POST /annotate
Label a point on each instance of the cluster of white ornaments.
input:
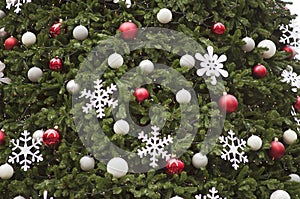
(268, 44)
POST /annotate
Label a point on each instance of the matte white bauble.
(2, 14)
(121, 127)
(271, 48)
(38, 135)
(187, 61)
(28, 38)
(72, 87)
(80, 33)
(115, 60)
(3, 33)
(250, 44)
(147, 66)
(118, 167)
(199, 160)
(176, 197)
(19, 197)
(6, 171)
(87, 163)
(183, 96)
(164, 15)
(254, 142)
(289, 136)
(280, 194)
(294, 177)
(34, 74)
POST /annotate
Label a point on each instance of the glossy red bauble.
(290, 50)
(51, 137)
(2, 137)
(228, 103)
(55, 64)
(55, 29)
(218, 28)
(128, 30)
(297, 104)
(141, 94)
(277, 150)
(174, 166)
(259, 71)
(10, 43)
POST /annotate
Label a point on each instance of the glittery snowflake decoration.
(45, 195)
(233, 149)
(212, 195)
(211, 65)
(25, 151)
(16, 3)
(291, 78)
(3, 79)
(127, 2)
(297, 119)
(154, 146)
(99, 98)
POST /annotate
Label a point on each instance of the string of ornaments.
(211, 65)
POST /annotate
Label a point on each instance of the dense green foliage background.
(264, 104)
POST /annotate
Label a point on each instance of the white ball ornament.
(146, 66)
(271, 48)
(187, 61)
(115, 60)
(183, 96)
(294, 177)
(280, 194)
(38, 135)
(176, 197)
(34, 74)
(72, 87)
(118, 167)
(250, 44)
(87, 163)
(2, 32)
(80, 33)
(6, 171)
(164, 15)
(2, 14)
(19, 197)
(254, 142)
(28, 38)
(289, 136)
(199, 160)
(121, 127)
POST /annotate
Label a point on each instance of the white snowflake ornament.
(16, 3)
(45, 195)
(291, 78)
(211, 65)
(99, 98)
(212, 195)
(127, 2)
(154, 146)
(290, 33)
(233, 149)
(297, 120)
(3, 79)
(25, 151)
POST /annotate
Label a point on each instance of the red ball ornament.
(228, 103)
(10, 43)
(2, 137)
(128, 30)
(55, 64)
(277, 150)
(297, 104)
(259, 71)
(290, 51)
(174, 166)
(51, 137)
(141, 94)
(218, 28)
(55, 29)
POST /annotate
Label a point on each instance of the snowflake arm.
(25, 151)
(233, 149)
(291, 78)
(16, 3)
(154, 146)
(212, 195)
(127, 2)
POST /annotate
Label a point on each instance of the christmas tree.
(149, 99)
